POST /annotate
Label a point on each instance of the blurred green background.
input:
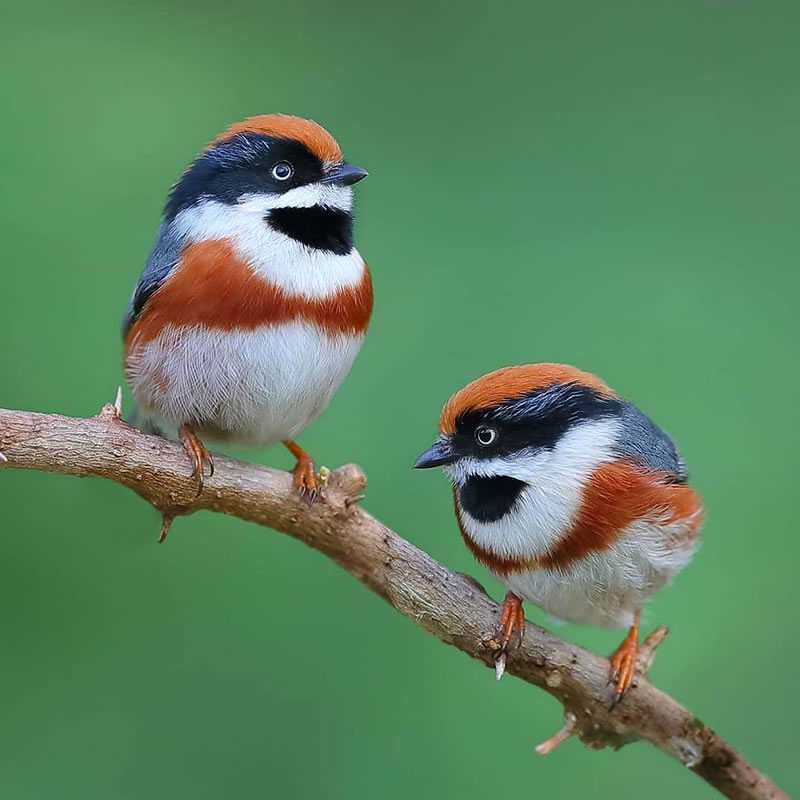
(609, 184)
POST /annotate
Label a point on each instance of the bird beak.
(439, 454)
(343, 174)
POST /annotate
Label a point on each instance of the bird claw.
(306, 481)
(308, 494)
(199, 456)
(512, 626)
(623, 663)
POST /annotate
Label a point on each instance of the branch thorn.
(113, 410)
(351, 501)
(500, 666)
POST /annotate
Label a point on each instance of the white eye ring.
(485, 435)
(282, 171)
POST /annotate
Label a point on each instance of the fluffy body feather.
(613, 570)
(258, 387)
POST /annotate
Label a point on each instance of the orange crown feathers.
(285, 126)
(509, 382)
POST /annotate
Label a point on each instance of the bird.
(254, 302)
(569, 495)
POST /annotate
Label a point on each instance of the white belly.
(606, 588)
(257, 387)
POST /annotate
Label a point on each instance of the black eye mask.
(243, 165)
(537, 419)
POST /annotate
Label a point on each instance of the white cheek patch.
(289, 264)
(314, 194)
(585, 446)
(549, 504)
(520, 465)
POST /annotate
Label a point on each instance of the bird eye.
(485, 435)
(282, 171)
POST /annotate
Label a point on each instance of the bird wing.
(645, 443)
(162, 261)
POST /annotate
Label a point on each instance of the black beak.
(438, 454)
(344, 175)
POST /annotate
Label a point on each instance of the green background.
(611, 184)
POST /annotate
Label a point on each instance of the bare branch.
(449, 605)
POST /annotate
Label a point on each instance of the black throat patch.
(319, 227)
(489, 499)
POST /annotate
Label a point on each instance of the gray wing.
(162, 261)
(643, 441)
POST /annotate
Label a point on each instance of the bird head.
(506, 425)
(285, 170)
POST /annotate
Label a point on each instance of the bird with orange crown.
(254, 301)
(570, 495)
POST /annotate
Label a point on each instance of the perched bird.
(569, 495)
(254, 301)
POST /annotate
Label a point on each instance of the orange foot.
(305, 476)
(512, 620)
(623, 661)
(199, 456)
(512, 626)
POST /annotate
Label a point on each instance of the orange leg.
(305, 477)
(623, 660)
(199, 456)
(512, 621)
(512, 625)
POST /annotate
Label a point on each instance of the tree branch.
(449, 605)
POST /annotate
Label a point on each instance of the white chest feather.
(257, 387)
(260, 385)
